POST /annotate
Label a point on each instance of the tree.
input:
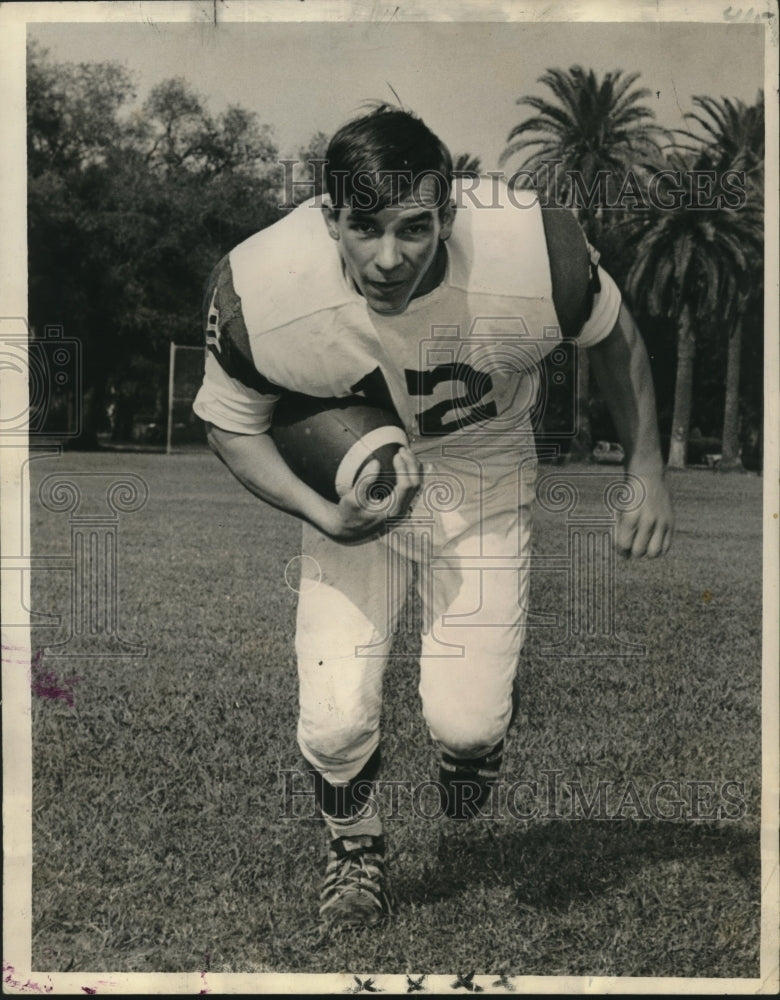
(72, 112)
(176, 132)
(733, 134)
(72, 128)
(593, 134)
(690, 265)
(733, 139)
(466, 165)
(128, 211)
(304, 177)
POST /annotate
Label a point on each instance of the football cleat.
(354, 893)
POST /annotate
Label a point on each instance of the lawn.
(163, 839)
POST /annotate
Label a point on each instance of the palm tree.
(734, 140)
(733, 134)
(595, 131)
(466, 165)
(691, 266)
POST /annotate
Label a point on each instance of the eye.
(363, 228)
(417, 228)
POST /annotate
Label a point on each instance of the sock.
(351, 810)
(465, 783)
(367, 822)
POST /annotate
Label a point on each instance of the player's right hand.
(374, 500)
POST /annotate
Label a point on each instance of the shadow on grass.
(555, 864)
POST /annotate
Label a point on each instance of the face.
(390, 254)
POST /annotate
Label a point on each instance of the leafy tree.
(304, 176)
(128, 211)
(176, 132)
(72, 112)
(72, 130)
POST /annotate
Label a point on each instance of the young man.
(389, 290)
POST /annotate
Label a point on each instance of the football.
(327, 442)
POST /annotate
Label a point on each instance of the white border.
(16, 688)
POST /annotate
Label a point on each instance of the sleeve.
(605, 304)
(234, 395)
(227, 403)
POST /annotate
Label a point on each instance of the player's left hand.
(361, 513)
(647, 531)
(407, 472)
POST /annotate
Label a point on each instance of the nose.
(388, 255)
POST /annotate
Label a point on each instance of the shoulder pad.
(226, 333)
(570, 269)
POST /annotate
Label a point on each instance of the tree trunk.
(582, 444)
(91, 419)
(730, 450)
(683, 393)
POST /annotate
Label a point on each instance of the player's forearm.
(622, 369)
(256, 463)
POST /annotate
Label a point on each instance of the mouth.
(385, 287)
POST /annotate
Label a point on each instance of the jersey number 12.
(462, 406)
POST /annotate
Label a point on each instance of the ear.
(447, 220)
(330, 215)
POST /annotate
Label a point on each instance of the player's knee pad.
(465, 784)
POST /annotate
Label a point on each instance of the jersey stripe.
(226, 333)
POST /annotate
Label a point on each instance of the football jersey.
(459, 364)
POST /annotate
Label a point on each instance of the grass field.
(160, 842)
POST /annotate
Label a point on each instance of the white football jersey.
(460, 364)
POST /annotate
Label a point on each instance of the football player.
(386, 287)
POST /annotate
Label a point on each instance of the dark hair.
(382, 156)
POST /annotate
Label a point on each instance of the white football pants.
(471, 543)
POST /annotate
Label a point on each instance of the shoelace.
(359, 868)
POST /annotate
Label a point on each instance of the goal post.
(185, 374)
